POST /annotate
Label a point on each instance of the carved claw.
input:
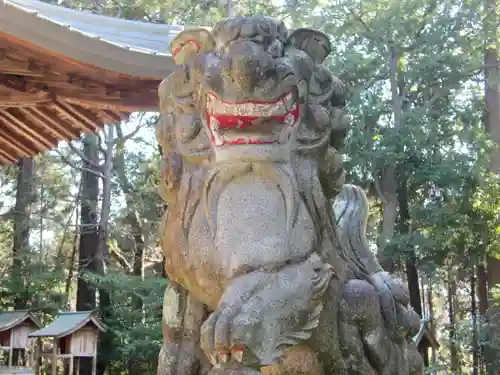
(214, 360)
(237, 354)
(220, 357)
(224, 356)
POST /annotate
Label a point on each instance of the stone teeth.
(289, 119)
(216, 106)
(289, 103)
(218, 139)
(214, 128)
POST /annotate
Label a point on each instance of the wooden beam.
(117, 116)
(54, 356)
(11, 349)
(146, 103)
(78, 113)
(9, 100)
(69, 132)
(8, 142)
(107, 118)
(55, 130)
(56, 86)
(22, 68)
(125, 98)
(5, 158)
(73, 83)
(41, 134)
(24, 131)
(123, 116)
(75, 117)
(12, 139)
(13, 82)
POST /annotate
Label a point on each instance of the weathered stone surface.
(251, 129)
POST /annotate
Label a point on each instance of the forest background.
(78, 224)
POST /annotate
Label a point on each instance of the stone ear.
(313, 42)
(190, 43)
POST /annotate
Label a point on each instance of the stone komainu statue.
(267, 274)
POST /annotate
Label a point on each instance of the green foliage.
(43, 290)
(137, 334)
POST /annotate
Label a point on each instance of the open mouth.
(251, 122)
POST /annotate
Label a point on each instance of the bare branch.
(430, 9)
(73, 165)
(121, 259)
(134, 132)
(83, 157)
(370, 33)
(125, 186)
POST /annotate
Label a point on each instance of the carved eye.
(187, 127)
(275, 49)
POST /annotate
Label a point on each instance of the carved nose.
(247, 65)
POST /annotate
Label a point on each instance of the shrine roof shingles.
(67, 323)
(129, 47)
(11, 319)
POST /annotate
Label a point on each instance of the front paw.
(223, 336)
(216, 340)
(263, 313)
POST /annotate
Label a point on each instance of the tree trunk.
(137, 271)
(102, 253)
(89, 234)
(86, 293)
(388, 178)
(473, 310)
(492, 99)
(21, 242)
(482, 297)
(25, 194)
(430, 296)
(411, 259)
(404, 228)
(71, 266)
(137, 228)
(133, 218)
(482, 289)
(180, 353)
(454, 353)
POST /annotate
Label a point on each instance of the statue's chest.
(249, 223)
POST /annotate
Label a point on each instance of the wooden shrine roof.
(67, 323)
(11, 319)
(65, 72)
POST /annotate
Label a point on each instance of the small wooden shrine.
(15, 328)
(74, 336)
(65, 72)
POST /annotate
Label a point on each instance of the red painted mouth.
(251, 122)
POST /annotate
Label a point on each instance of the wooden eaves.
(11, 319)
(65, 72)
(67, 323)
